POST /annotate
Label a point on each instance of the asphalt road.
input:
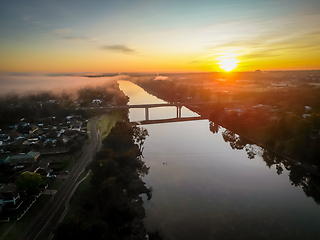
(38, 228)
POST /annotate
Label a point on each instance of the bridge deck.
(179, 104)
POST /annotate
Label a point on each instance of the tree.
(29, 181)
(139, 135)
(72, 228)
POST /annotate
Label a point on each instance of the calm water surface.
(203, 189)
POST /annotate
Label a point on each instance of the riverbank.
(108, 203)
(206, 110)
(204, 181)
(309, 167)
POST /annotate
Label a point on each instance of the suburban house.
(29, 157)
(8, 195)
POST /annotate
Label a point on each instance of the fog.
(31, 83)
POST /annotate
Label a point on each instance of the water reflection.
(298, 175)
(207, 190)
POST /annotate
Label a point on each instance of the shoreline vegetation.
(287, 134)
(288, 140)
(111, 206)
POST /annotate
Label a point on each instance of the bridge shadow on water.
(168, 120)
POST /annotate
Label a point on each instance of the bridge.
(178, 105)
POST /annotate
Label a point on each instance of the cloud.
(272, 44)
(258, 54)
(119, 48)
(80, 39)
(66, 34)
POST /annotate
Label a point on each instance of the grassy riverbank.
(108, 121)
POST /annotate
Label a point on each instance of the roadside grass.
(12, 230)
(79, 197)
(108, 121)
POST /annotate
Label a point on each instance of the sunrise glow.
(228, 61)
(228, 64)
(54, 37)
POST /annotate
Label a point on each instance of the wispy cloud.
(119, 48)
(80, 39)
(66, 34)
(272, 44)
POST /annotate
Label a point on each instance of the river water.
(204, 189)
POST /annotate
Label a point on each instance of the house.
(22, 124)
(8, 195)
(308, 108)
(3, 160)
(76, 126)
(96, 102)
(29, 157)
(5, 138)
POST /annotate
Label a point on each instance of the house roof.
(28, 155)
(8, 191)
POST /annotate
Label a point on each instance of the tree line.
(112, 206)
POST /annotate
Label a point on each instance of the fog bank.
(33, 83)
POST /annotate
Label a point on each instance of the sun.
(228, 64)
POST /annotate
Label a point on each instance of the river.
(204, 189)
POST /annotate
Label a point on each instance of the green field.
(108, 121)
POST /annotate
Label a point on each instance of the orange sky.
(159, 36)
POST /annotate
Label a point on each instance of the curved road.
(38, 228)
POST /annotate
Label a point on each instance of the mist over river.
(204, 189)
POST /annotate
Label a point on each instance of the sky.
(159, 36)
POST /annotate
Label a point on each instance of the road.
(47, 218)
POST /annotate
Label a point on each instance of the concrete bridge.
(178, 105)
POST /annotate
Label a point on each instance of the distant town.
(43, 135)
